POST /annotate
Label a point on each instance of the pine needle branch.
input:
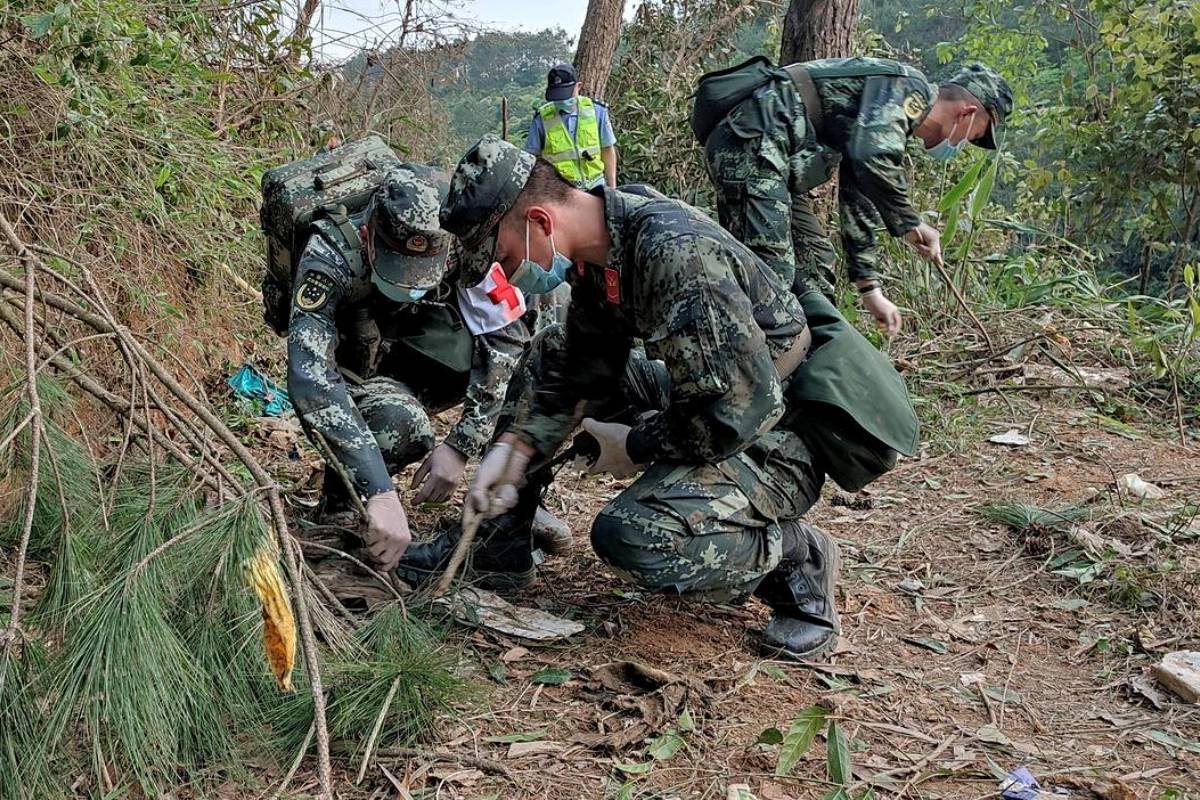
(287, 546)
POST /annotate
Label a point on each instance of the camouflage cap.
(483, 188)
(992, 91)
(411, 249)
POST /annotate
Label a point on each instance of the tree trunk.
(815, 29)
(303, 22)
(598, 44)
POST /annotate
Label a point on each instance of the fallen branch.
(287, 546)
(35, 443)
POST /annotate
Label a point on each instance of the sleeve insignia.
(313, 292)
(915, 105)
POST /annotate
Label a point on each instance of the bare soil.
(962, 655)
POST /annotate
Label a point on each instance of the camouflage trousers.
(398, 420)
(763, 199)
(708, 532)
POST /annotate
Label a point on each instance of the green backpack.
(322, 191)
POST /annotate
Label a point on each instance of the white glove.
(886, 315)
(438, 474)
(500, 473)
(928, 243)
(614, 458)
(387, 529)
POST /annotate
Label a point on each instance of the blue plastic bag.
(267, 399)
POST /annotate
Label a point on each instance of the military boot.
(501, 559)
(551, 534)
(801, 593)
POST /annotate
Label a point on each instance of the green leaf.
(39, 24)
(686, 723)
(635, 769)
(550, 676)
(1002, 695)
(626, 791)
(837, 794)
(1170, 740)
(799, 737)
(498, 672)
(983, 192)
(520, 736)
(963, 186)
(771, 736)
(929, 644)
(951, 223)
(837, 756)
(665, 746)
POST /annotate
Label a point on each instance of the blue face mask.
(532, 278)
(566, 106)
(945, 149)
(399, 294)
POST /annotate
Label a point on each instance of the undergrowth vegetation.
(133, 134)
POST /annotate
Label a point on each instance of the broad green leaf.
(983, 192)
(550, 676)
(770, 736)
(498, 672)
(665, 746)
(963, 186)
(837, 756)
(626, 791)
(39, 24)
(951, 224)
(799, 737)
(635, 769)
(686, 723)
(519, 736)
(837, 794)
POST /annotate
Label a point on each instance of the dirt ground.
(962, 655)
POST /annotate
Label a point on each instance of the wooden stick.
(470, 525)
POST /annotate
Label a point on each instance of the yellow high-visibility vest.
(576, 159)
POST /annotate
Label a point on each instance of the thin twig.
(485, 764)
(35, 444)
(291, 773)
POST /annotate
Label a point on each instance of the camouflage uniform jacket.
(336, 319)
(867, 121)
(703, 303)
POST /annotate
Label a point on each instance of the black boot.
(801, 592)
(502, 554)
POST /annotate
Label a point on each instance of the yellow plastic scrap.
(279, 623)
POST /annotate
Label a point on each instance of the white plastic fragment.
(1180, 672)
(1132, 485)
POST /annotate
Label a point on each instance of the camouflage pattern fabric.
(764, 158)
(703, 304)
(338, 322)
(707, 532)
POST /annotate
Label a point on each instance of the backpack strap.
(807, 89)
(333, 223)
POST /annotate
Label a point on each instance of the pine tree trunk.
(815, 29)
(598, 44)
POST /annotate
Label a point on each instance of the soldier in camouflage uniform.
(714, 514)
(767, 152)
(377, 346)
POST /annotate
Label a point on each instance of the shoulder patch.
(915, 105)
(313, 292)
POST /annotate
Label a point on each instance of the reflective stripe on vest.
(576, 159)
